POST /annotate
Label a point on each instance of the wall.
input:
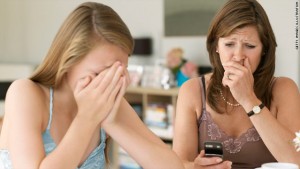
(28, 27)
(189, 18)
(285, 25)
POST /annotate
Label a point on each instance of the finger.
(205, 161)
(235, 70)
(225, 79)
(104, 75)
(202, 153)
(128, 80)
(113, 95)
(224, 164)
(116, 98)
(82, 83)
(229, 76)
(247, 64)
(113, 75)
(114, 80)
(97, 79)
(122, 91)
(234, 64)
(120, 95)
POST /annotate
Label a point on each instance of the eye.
(250, 46)
(229, 44)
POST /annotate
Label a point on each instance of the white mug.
(279, 165)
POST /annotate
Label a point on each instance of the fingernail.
(219, 160)
(229, 164)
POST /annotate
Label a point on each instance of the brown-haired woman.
(240, 104)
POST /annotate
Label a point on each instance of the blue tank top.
(96, 160)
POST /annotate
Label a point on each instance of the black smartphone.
(213, 149)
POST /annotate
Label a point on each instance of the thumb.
(202, 153)
(82, 83)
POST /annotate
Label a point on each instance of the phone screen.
(213, 149)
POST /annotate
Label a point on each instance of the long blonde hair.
(233, 15)
(88, 25)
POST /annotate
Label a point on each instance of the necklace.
(230, 104)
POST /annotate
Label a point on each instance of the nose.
(239, 54)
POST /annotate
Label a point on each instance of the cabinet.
(143, 97)
(149, 96)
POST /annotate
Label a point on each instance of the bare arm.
(185, 142)
(186, 135)
(27, 106)
(21, 134)
(145, 147)
(278, 133)
(25, 112)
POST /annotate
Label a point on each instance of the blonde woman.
(62, 115)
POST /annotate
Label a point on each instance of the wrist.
(86, 121)
(107, 124)
(248, 106)
(256, 110)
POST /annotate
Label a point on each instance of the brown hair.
(88, 25)
(233, 15)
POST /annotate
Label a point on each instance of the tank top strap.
(50, 108)
(203, 97)
(203, 92)
(102, 135)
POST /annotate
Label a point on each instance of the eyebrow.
(235, 39)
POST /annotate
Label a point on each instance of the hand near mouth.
(238, 77)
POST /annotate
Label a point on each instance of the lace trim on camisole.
(230, 144)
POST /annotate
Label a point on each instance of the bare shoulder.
(24, 88)
(286, 99)
(25, 99)
(191, 87)
(189, 97)
(283, 87)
